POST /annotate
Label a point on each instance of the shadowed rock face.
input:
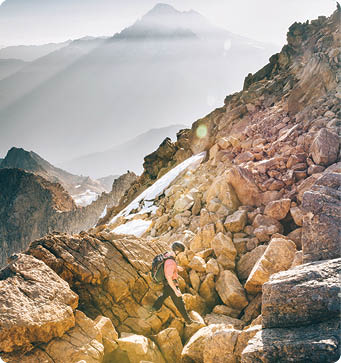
(321, 233)
(31, 206)
(314, 343)
(304, 295)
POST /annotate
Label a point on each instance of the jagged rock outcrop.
(30, 207)
(303, 295)
(36, 304)
(31, 162)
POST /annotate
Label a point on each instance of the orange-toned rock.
(36, 305)
(277, 257)
(231, 291)
(278, 209)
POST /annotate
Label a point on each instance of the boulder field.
(260, 217)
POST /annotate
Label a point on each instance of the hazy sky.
(43, 21)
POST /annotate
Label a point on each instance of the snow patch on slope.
(146, 199)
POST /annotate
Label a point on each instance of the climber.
(170, 283)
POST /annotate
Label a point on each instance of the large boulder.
(321, 232)
(194, 349)
(278, 209)
(265, 227)
(231, 291)
(248, 260)
(315, 343)
(325, 147)
(244, 337)
(36, 305)
(224, 249)
(83, 343)
(277, 257)
(138, 348)
(243, 183)
(207, 290)
(219, 347)
(303, 295)
(236, 222)
(221, 189)
(170, 344)
(213, 318)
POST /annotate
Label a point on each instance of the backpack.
(158, 274)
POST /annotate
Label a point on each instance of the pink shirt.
(170, 269)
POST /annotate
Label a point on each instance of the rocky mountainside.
(33, 163)
(258, 207)
(31, 206)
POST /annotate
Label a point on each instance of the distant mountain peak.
(162, 9)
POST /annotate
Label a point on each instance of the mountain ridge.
(32, 162)
(122, 69)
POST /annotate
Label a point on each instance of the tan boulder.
(243, 339)
(138, 348)
(85, 261)
(109, 333)
(240, 244)
(277, 257)
(196, 242)
(220, 346)
(205, 253)
(278, 209)
(212, 266)
(253, 309)
(194, 302)
(207, 234)
(213, 151)
(236, 222)
(224, 249)
(194, 349)
(207, 290)
(195, 280)
(296, 236)
(224, 192)
(191, 329)
(83, 343)
(213, 318)
(198, 264)
(265, 227)
(297, 215)
(225, 310)
(298, 259)
(224, 143)
(170, 344)
(36, 305)
(248, 260)
(183, 203)
(244, 185)
(231, 291)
